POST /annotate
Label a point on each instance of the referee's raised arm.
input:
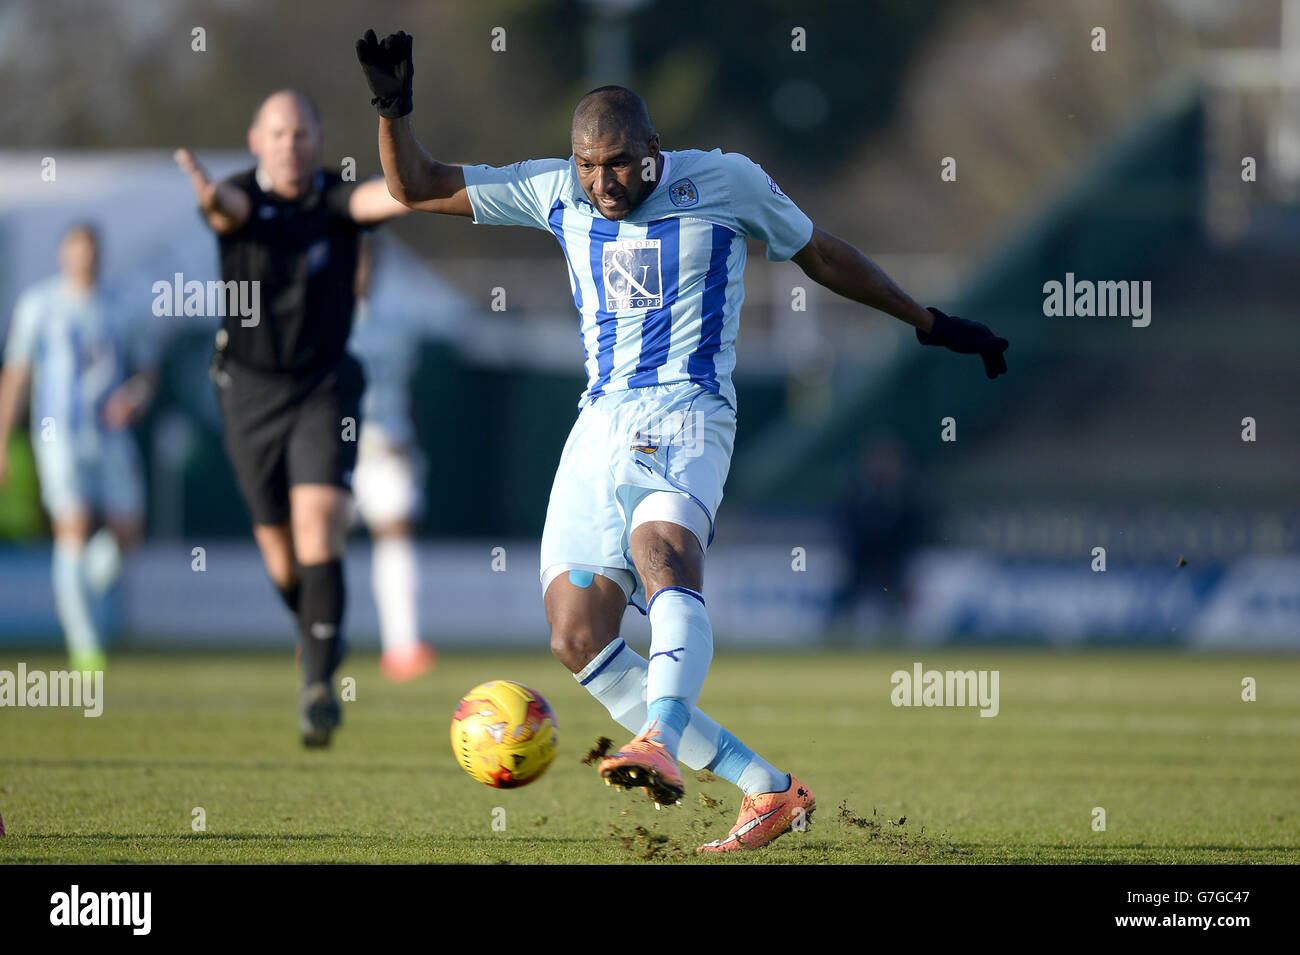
(225, 207)
(414, 178)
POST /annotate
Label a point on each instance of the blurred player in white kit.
(389, 477)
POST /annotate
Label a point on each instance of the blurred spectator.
(879, 522)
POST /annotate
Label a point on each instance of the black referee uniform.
(290, 393)
(287, 384)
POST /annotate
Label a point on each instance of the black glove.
(388, 68)
(968, 338)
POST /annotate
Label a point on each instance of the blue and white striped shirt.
(659, 292)
(79, 349)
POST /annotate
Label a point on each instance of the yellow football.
(504, 734)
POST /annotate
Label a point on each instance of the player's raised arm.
(843, 269)
(226, 207)
(414, 178)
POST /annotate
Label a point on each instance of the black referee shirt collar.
(264, 182)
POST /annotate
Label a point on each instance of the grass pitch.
(1184, 769)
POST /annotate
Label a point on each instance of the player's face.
(79, 259)
(286, 141)
(613, 172)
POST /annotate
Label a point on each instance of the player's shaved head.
(612, 111)
(615, 150)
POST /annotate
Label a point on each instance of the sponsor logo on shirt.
(632, 275)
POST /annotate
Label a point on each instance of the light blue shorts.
(625, 446)
(102, 475)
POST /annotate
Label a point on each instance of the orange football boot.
(645, 762)
(764, 816)
(402, 666)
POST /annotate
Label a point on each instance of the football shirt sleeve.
(519, 194)
(240, 181)
(337, 198)
(21, 346)
(763, 211)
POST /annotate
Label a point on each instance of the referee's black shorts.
(285, 429)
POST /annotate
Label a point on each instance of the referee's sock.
(291, 595)
(320, 615)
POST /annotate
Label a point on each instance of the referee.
(289, 392)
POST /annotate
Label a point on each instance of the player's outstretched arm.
(414, 178)
(225, 207)
(843, 269)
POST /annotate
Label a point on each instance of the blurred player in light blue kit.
(389, 477)
(91, 380)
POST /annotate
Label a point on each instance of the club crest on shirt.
(632, 274)
(683, 193)
(317, 255)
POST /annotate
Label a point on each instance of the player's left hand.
(122, 408)
(967, 338)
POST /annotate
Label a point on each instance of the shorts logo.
(775, 188)
(682, 430)
(645, 442)
(683, 193)
(632, 276)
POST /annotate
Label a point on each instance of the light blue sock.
(681, 645)
(737, 763)
(102, 562)
(72, 600)
(617, 677)
(669, 716)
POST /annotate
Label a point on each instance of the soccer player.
(388, 478)
(91, 378)
(655, 244)
(290, 394)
